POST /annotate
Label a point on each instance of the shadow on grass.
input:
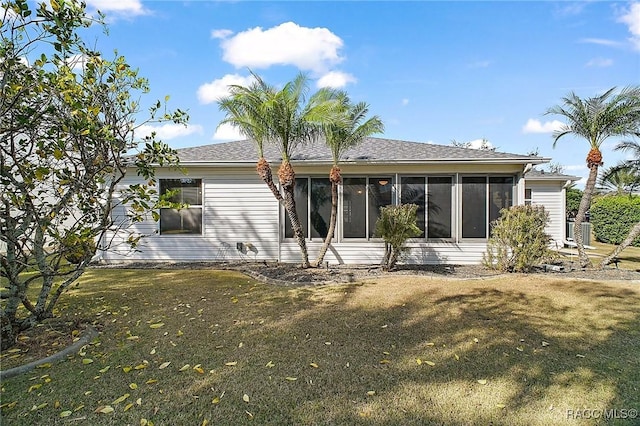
(396, 351)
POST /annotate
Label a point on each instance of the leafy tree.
(518, 240)
(633, 166)
(573, 197)
(66, 139)
(339, 137)
(596, 119)
(485, 145)
(555, 168)
(285, 118)
(396, 224)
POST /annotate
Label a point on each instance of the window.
(482, 200)
(527, 197)
(380, 195)
(314, 211)
(501, 196)
(354, 207)
(412, 191)
(440, 207)
(187, 220)
(474, 207)
(362, 199)
(433, 196)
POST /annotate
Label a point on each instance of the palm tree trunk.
(332, 225)
(290, 207)
(287, 178)
(633, 234)
(585, 203)
(264, 171)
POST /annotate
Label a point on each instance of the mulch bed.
(293, 274)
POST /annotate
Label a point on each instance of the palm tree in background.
(631, 166)
(285, 118)
(619, 179)
(341, 135)
(596, 119)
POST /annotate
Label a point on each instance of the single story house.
(232, 214)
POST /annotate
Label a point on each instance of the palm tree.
(244, 110)
(267, 115)
(596, 119)
(619, 179)
(633, 167)
(341, 135)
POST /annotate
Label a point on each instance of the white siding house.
(549, 190)
(232, 214)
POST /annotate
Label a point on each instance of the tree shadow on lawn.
(566, 345)
(393, 351)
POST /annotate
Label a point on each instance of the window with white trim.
(313, 207)
(527, 197)
(482, 199)
(186, 220)
(362, 199)
(434, 197)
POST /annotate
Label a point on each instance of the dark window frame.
(193, 213)
(424, 209)
(490, 213)
(371, 182)
(311, 217)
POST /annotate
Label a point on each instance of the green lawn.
(209, 347)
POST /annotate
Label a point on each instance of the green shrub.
(573, 197)
(518, 240)
(613, 216)
(395, 226)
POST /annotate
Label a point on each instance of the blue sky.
(432, 71)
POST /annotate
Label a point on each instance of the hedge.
(613, 216)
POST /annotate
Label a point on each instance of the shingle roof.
(535, 174)
(371, 150)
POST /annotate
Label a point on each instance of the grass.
(629, 258)
(396, 350)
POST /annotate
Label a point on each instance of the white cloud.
(211, 92)
(221, 33)
(404, 102)
(600, 62)
(227, 132)
(632, 19)
(77, 62)
(335, 80)
(309, 49)
(119, 7)
(536, 126)
(168, 131)
(601, 42)
(480, 144)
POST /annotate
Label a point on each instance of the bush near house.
(518, 241)
(613, 216)
(573, 197)
(395, 226)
